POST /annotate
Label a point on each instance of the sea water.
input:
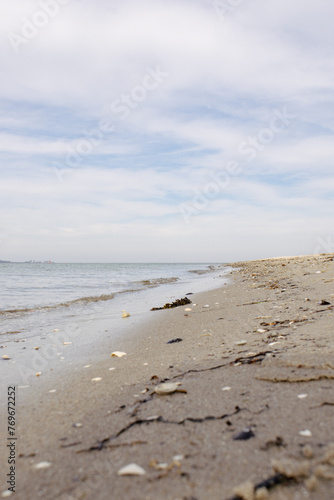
(35, 297)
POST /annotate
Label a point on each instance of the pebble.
(125, 314)
(111, 369)
(118, 354)
(302, 396)
(261, 330)
(52, 391)
(5, 357)
(38, 374)
(67, 343)
(241, 342)
(206, 306)
(188, 309)
(131, 470)
(42, 465)
(77, 425)
(96, 379)
(226, 389)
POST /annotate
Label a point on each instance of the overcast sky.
(166, 130)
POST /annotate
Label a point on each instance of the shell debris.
(241, 342)
(96, 379)
(5, 357)
(67, 343)
(38, 374)
(42, 465)
(167, 388)
(131, 470)
(188, 309)
(117, 354)
(306, 433)
(125, 314)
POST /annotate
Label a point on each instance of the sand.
(258, 363)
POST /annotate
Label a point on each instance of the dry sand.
(260, 358)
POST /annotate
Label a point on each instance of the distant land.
(27, 262)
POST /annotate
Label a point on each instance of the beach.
(250, 418)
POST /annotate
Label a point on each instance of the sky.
(166, 131)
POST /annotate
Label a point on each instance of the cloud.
(218, 83)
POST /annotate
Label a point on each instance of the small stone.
(131, 470)
(302, 396)
(308, 451)
(262, 494)
(5, 357)
(96, 379)
(67, 343)
(241, 342)
(244, 435)
(245, 491)
(125, 314)
(38, 374)
(311, 483)
(52, 391)
(226, 389)
(77, 425)
(261, 330)
(206, 305)
(188, 309)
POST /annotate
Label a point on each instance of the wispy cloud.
(90, 64)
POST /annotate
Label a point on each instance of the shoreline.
(240, 369)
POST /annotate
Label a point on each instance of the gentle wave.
(158, 281)
(80, 301)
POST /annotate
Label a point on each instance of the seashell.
(125, 314)
(96, 379)
(302, 396)
(226, 388)
(206, 305)
(38, 374)
(56, 330)
(167, 388)
(42, 465)
(261, 330)
(131, 470)
(67, 343)
(5, 357)
(118, 354)
(37, 348)
(52, 391)
(188, 309)
(112, 369)
(241, 342)
(6, 493)
(77, 425)
(306, 433)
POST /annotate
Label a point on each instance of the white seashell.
(261, 330)
(178, 458)
(96, 379)
(241, 342)
(125, 314)
(206, 305)
(302, 396)
(226, 388)
(188, 309)
(111, 369)
(67, 343)
(52, 391)
(42, 465)
(131, 470)
(167, 388)
(306, 433)
(6, 494)
(87, 366)
(274, 343)
(118, 354)
(5, 357)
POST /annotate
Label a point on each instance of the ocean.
(36, 297)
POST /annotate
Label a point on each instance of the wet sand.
(257, 364)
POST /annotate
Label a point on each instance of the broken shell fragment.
(125, 314)
(306, 433)
(241, 342)
(42, 465)
(96, 379)
(167, 388)
(118, 354)
(131, 470)
(67, 343)
(5, 357)
(38, 374)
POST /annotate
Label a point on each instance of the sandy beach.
(251, 416)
